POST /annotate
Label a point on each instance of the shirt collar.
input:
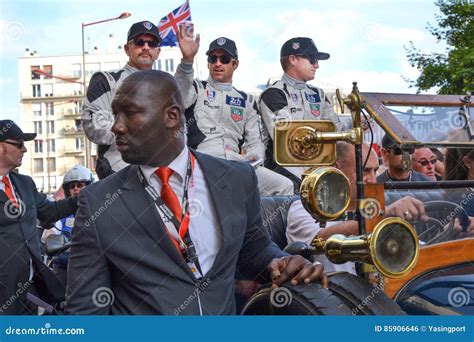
(179, 165)
(219, 85)
(293, 82)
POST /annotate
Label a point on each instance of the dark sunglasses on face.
(398, 151)
(78, 185)
(18, 145)
(225, 59)
(425, 162)
(151, 43)
(312, 60)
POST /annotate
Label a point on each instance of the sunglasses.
(225, 59)
(312, 60)
(18, 145)
(425, 162)
(78, 185)
(398, 151)
(151, 43)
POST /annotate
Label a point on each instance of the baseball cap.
(302, 46)
(388, 142)
(9, 130)
(143, 27)
(226, 44)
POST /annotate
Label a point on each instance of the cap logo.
(220, 41)
(295, 46)
(147, 25)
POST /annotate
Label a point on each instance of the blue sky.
(364, 37)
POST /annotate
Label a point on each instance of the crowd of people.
(165, 144)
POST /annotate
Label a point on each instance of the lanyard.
(181, 232)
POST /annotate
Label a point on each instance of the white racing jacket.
(290, 99)
(220, 120)
(97, 117)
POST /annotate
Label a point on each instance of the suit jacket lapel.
(143, 210)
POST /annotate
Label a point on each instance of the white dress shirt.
(302, 227)
(203, 226)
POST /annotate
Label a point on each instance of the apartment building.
(51, 93)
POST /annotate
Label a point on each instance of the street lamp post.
(84, 87)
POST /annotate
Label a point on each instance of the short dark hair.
(284, 61)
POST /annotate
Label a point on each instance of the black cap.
(226, 44)
(302, 46)
(388, 142)
(9, 130)
(143, 27)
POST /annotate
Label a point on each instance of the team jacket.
(290, 99)
(220, 120)
(295, 100)
(97, 117)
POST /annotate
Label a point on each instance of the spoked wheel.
(361, 297)
(310, 299)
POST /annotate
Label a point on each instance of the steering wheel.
(440, 225)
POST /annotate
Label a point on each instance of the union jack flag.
(169, 24)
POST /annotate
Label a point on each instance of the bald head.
(148, 110)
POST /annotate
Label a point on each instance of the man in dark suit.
(136, 252)
(21, 267)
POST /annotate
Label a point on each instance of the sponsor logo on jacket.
(235, 101)
(236, 114)
(312, 98)
(211, 95)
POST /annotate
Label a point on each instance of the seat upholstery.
(274, 215)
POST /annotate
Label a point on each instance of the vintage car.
(403, 268)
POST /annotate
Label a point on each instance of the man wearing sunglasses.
(424, 161)
(399, 164)
(221, 120)
(142, 48)
(21, 266)
(292, 98)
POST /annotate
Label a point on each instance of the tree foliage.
(452, 71)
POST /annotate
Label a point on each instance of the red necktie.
(8, 190)
(167, 193)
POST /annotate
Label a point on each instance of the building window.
(51, 164)
(51, 145)
(79, 144)
(48, 89)
(38, 127)
(91, 68)
(38, 146)
(49, 108)
(76, 70)
(36, 90)
(78, 124)
(77, 108)
(35, 75)
(169, 65)
(111, 65)
(50, 127)
(38, 165)
(48, 70)
(80, 160)
(36, 108)
(158, 65)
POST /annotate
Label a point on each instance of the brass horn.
(392, 248)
